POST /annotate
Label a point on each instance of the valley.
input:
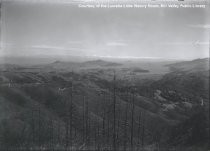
(105, 105)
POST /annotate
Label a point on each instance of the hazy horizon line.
(99, 57)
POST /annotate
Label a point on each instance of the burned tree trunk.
(71, 114)
(139, 129)
(33, 128)
(67, 132)
(143, 130)
(39, 127)
(83, 120)
(87, 124)
(104, 115)
(108, 131)
(132, 122)
(114, 112)
(125, 127)
(98, 135)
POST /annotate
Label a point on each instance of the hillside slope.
(61, 108)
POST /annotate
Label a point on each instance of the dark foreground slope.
(184, 95)
(48, 106)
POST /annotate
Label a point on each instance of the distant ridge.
(102, 63)
(194, 65)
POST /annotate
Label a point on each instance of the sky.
(40, 28)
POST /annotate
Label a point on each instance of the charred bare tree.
(67, 131)
(114, 112)
(71, 114)
(39, 121)
(104, 115)
(125, 127)
(51, 128)
(143, 129)
(33, 128)
(95, 136)
(132, 122)
(87, 124)
(108, 130)
(118, 129)
(98, 135)
(139, 129)
(75, 132)
(83, 118)
(58, 133)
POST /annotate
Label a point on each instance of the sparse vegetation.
(93, 110)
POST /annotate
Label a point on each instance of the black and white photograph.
(104, 75)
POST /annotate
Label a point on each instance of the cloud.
(204, 26)
(44, 49)
(201, 43)
(56, 50)
(176, 43)
(4, 45)
(123, 57)
(75, 42)
(116, 44)
(48, 47)
(60, 49)
(185, 43)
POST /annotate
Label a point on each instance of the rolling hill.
(44, 106)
